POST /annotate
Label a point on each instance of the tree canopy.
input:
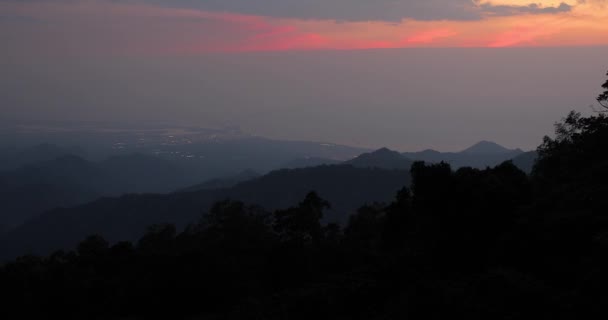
(603, 97)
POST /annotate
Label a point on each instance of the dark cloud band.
(365, 10)
(504, 10)
(355, 10)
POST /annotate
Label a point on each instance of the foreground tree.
(302, 224)
(572, 168)
(603, 97)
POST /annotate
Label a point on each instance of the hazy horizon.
(405, 99)
(24, 135)
(406, 74)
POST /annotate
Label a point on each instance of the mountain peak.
(430, 151)
(385, 151)
(486, 147)
(381, 158)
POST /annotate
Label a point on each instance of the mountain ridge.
(381, 158)
(480, 155)
(487, 147)
(127, 217)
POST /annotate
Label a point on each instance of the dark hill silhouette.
(487, 147)
(480, 155)
(345, 186)
(13, 158)
(70, 180)
(222, 183)
(126, 217)
(306, 162)
(382, 158)
(67, 168)
(33, 189)
(136, 173)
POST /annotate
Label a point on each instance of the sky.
(408, 75)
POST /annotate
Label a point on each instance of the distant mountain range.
(28, 194)
(222, 183)
(489, 147)
(306, 162)
(12, 158)
(71, 180)
(205, 153)
(382, 158)
(68, 180)
(41, 177)
(480, 155)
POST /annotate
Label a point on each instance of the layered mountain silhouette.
(71, 180)
(126, 218)
(305, 162)
(222, 183)
(13, 158)
(32, 189)
(382, 158)
(488, 147)
(30, 192)
(480, 155)
(204, 153)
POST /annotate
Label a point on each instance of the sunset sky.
(306, 59)
(195, 26)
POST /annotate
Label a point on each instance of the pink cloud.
(429, 36)
(528, 34)
(102, 27)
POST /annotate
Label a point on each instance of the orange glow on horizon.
(147, 29)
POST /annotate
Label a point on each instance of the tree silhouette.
(398, 221)
(603, 97)
(302, 224)
(234, 226)
(92, 246)
(159, 239)
(432, 185)
(364, 229)
(572, 169)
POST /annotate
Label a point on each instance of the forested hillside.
(480, 244)
(126, 217)
(491, 243)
